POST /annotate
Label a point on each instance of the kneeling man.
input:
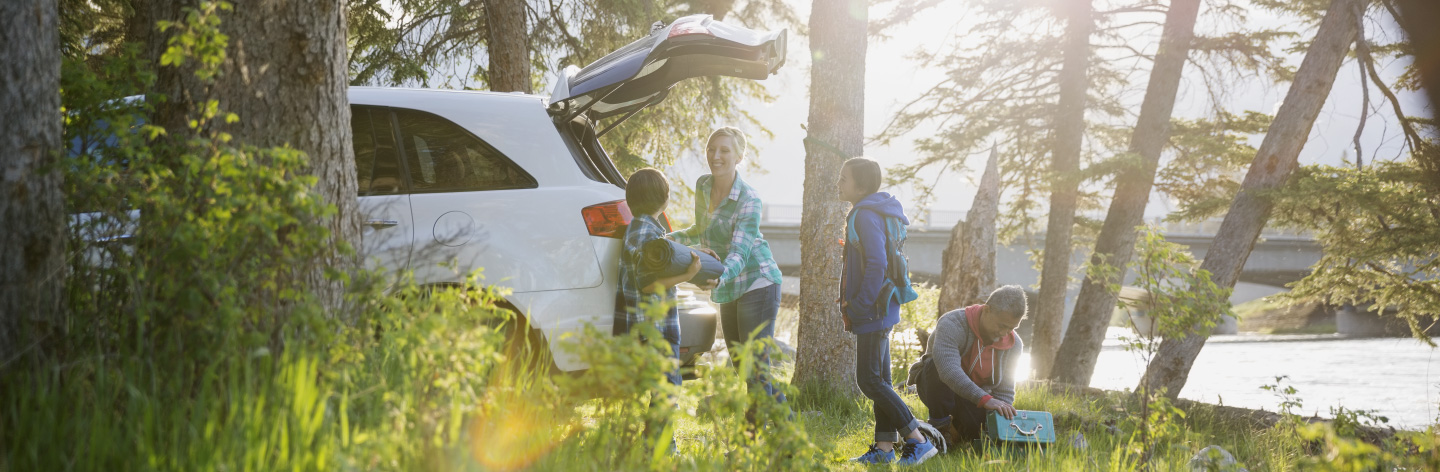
(973, 357)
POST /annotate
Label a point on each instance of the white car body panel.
(528, 240)
(532, 241)
(384, 245)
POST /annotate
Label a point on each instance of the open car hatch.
(640, 74)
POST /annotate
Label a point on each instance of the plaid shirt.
(643, 229)
(732, 230)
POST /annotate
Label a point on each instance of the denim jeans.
(946, 406)
(893, 419)
(755, 309)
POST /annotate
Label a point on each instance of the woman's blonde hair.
(733, 132)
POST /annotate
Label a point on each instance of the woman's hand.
(710, 252)
(1005, 409)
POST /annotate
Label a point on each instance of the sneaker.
(917, 452)
(876, 456)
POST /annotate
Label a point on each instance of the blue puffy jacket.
(865, 263)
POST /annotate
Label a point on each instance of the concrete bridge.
(1277, 259)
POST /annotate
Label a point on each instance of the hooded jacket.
(975, 369)
(865, 263)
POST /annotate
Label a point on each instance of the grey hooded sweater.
(948, 345)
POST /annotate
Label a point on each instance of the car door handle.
(378, 224)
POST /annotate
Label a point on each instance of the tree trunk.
(1075, 362)
(1419, 18)
(1274, 162)
(969, 261)
(32, 205)
(285, 77)
(825, 352)
(1068, 133)
(509, 46)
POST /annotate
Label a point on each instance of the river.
(1399, 378)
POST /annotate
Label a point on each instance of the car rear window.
(594, 162)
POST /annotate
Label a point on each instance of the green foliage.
(1337, 445)
(1289, 401)
(1158, 426)
(192, 344)
(1209, 160)
(905, 345)
(94, 28)
(633, 416)
(1001, 87)
(1379, 231)
(1179, 299)
(1341, 452)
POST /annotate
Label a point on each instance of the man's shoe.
(917, 452)
(950, 435)
(876, 456)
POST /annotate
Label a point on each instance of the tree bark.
(32, 205)
(825, 351)
(969, 261)
(1068, 133)
(1075, 362)
(285, 77)
(1419, 18)
(509, 46)
(1274, 162)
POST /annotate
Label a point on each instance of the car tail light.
(688, 28)
(607, 219)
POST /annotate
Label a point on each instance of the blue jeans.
(893, 419)
(947, 407)
(755, 309)
(674, 375)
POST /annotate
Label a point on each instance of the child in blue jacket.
(870, 315)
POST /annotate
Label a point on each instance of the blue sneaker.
(917, 452)
(876, 456)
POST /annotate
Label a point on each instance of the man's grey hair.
(1009, 299)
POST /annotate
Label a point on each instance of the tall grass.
(196, 348)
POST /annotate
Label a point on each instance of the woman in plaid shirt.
(748, 291)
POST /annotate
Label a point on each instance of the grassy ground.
(843, 428)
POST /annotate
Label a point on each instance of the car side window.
(442, 157)
(377, 164)
(364, 144)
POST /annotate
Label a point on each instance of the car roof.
(515, 124)
(431, 91)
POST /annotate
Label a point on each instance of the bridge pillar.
(1351, 320)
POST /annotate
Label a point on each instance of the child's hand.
(694, 266)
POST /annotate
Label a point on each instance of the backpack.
(897, 287)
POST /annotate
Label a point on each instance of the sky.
(893, 79)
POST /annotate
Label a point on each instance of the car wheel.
(525, 347)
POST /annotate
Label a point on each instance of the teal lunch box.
(1028, 428)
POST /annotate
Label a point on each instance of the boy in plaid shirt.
(646, 194)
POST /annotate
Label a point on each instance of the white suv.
(518, 184)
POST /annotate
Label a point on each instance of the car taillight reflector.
(607, 219)
(690, 27)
